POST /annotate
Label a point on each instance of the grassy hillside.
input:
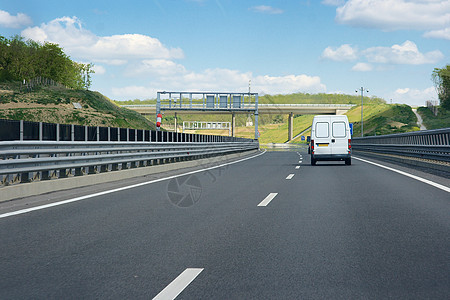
(442, 120)
(318, 99)
(383, 119)
(379, 119)
(54, 104)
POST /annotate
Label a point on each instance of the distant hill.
(55, 104)
(320, 98)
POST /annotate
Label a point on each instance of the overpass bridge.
(279, 109)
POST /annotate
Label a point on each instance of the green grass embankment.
(442, 120)
(54, 104)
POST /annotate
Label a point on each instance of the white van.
(330, 139)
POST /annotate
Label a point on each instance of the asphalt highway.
(269, 227)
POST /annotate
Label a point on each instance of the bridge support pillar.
(233, 124)
(291, 126)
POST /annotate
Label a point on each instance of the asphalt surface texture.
(330, 232)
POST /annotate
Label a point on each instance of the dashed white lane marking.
(267, 200)
(290, 176)
(297, 167)
(27, 210)
(178, 284)
(437, 185)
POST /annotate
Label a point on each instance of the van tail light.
(312, 146)
(349, 144)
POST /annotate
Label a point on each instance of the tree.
(87, 70)
(25, 60)
(441, 79)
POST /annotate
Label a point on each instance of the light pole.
(362, 108)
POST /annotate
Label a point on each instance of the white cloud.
(288, 84)
(17, 21)
(396, 14)
(99, 70)
(342, 53)
(333, 2)
(224, 80)
(148, 60)
(412, 96)
(135, 92)
(160, 67)
(402, 91)
(362, 67)
(438, 34)
(406, 53)
(266, 10)
(83, 44)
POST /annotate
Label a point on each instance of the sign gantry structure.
(209, 102)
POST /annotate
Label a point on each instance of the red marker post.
(158, 121)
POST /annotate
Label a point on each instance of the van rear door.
(322, 136)
(339, 137)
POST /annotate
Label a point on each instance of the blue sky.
(140, 47)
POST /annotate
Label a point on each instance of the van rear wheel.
(348, 161)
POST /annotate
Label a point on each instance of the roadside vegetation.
(40, 83)
(24, 61)
(442, 120)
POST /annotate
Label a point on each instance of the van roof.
(330, 116)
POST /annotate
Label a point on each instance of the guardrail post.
(92, 170)
(45, 175)
(109, 134)
(25, 177)
(72, 132)
(57, 132)
(40, 131)
(62, 173)
(98, 134)
(21, 130)
(128, 134)
(86, 132)
(78, 172)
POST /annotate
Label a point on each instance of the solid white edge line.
(290, 176)
(267, 200)
(27, 210)
(178, 284)
(432, 183)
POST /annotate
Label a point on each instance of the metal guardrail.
(427, 144)
(41, 151)
(24, 161)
